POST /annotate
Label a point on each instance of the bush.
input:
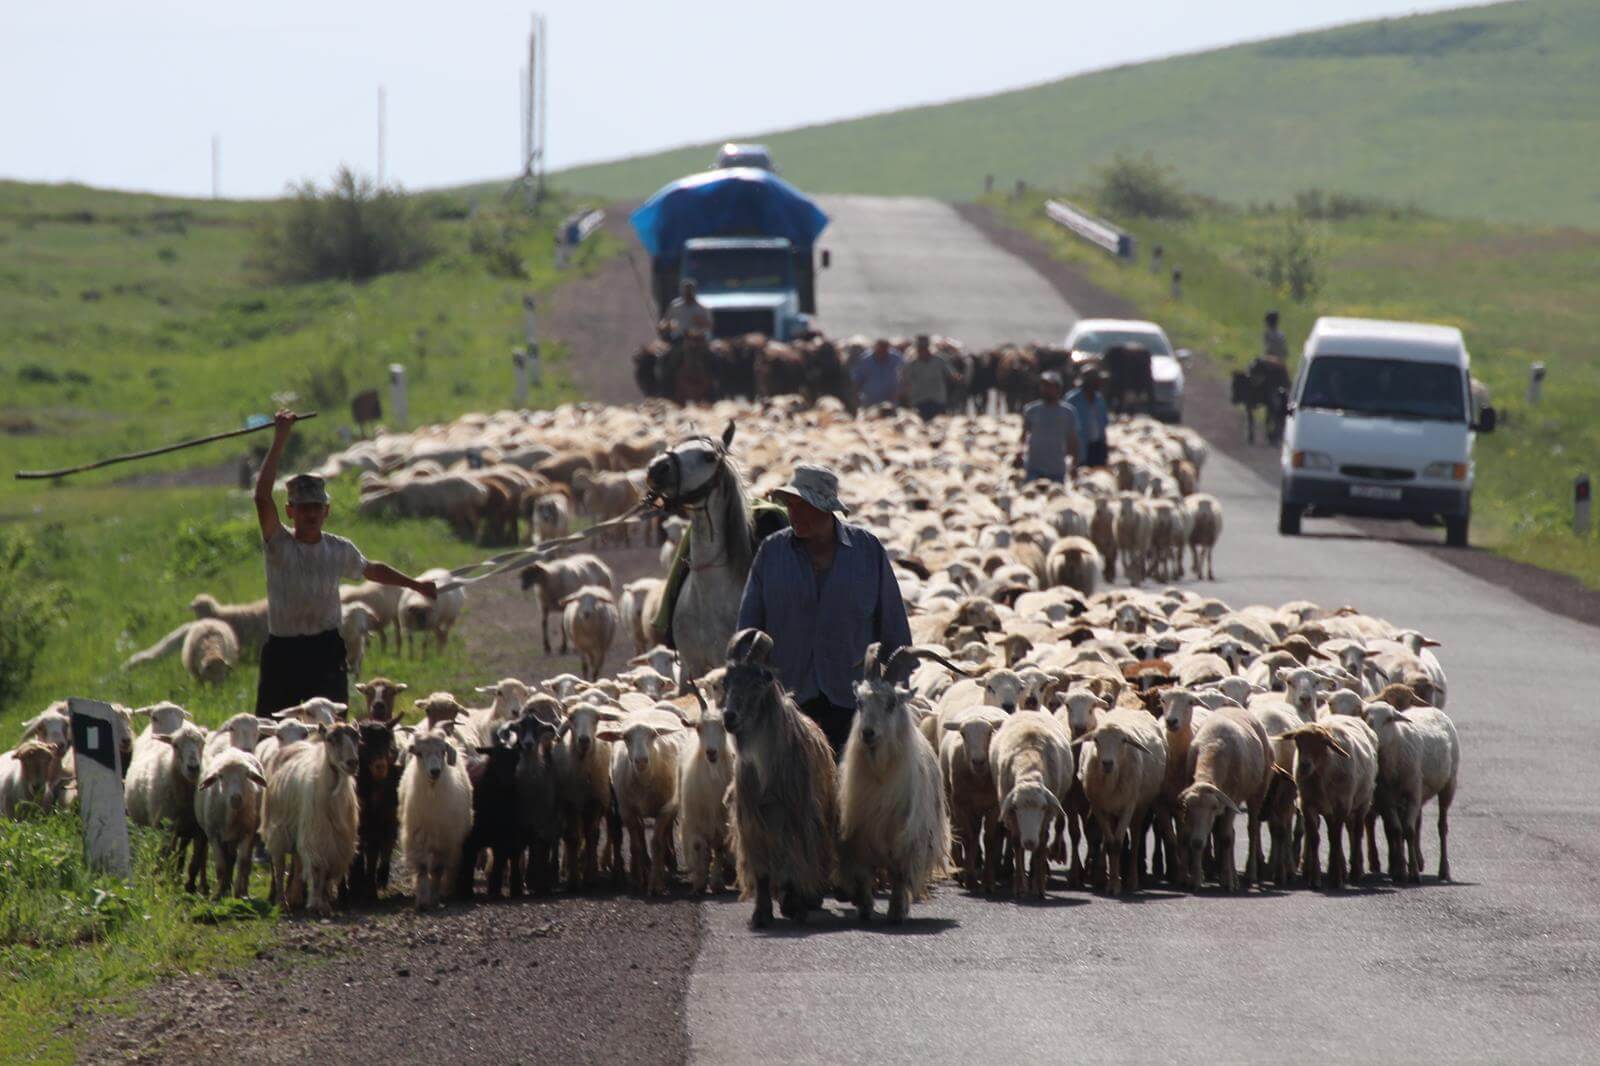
(1141, 188)
(30, 606)
(1340, 206)
(350, 231)
(1293, 263)
(495, 245)
(205, 549)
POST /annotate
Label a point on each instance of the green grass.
(1520, 293)
(128, 321)
(70, 938)
(1488, 112)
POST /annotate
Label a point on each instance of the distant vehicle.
(744, 155)
(746, 237)
(1098, 336)
(1381, 424)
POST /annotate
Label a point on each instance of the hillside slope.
(1491, 112)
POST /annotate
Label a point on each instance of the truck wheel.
(1455, 530)
(1289, 519)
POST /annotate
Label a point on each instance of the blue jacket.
(1093, 415)
(817, 646)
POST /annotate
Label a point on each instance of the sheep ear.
(363, 687)
(400, 688)
(1136, 742)
(256, 778)
(1055, 804)
(484, 751)
(952, 727)
(1336, 746)
(484, 690)
(165, 738)
(209, 780)
(1427, 643)
(450, 754)
(608, 733)
(1008, 805)
(1279, 771)
(1227, 802)
(727, 436)
(565, 728)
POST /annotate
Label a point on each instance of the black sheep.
(378, 797)
(496, 824)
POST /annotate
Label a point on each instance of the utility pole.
(532, 88)
(543, 34)
(381, 109)
(216, 167)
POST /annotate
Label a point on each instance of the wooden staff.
(33, 475)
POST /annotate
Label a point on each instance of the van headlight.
(1311, 461)
(1446, 471)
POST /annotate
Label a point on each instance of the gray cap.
(817, 485)
(1052, 377)
(307, 488)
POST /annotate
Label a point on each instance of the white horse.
(700, 477)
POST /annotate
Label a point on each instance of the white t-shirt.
(303, 582)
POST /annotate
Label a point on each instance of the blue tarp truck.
(746, 237)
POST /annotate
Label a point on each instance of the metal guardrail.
(1096, 231)
(577, 228)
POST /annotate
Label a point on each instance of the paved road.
(1503, 965)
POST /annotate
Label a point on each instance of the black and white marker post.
(99, 765)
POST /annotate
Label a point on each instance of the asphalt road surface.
(1501, 965)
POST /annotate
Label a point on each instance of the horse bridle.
(686, 500)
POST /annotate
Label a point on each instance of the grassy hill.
(1489, 112)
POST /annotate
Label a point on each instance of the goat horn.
(700, 698)
(904, 660)
(750, 646)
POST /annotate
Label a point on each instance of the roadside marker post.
(1535, 382)
(1177, 283)
(397, 395)
(530, 333)
(520, 363)
(99, 766)
(1582, 506)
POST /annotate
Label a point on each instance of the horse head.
(687, 472)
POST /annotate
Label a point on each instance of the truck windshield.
(1386, 388)
(1100, 341)
(740, 269)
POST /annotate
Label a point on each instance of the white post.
(1535, 382)
(397, 395)
(1581, 506)
(98, 759)
(1177, 284)
(530, 333)
(520, 363)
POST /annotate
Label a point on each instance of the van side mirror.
(827, 259)
(1184, 356)
(1486, 420)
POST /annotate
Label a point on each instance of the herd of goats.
(1071, 696)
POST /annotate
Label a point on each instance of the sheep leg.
(1338, 871)
(1394, 834)
(1357, 827)
(1414, 843)
(316, 890)
(899, 898)
(638, 855)
(1373, 865)
(1311, 857)
(699, 850)
(761, 917)
(1167, 828)
(544, 627)
(246, 858)
(1445, 799)
(991, 856)
(614, 842)
(1074, 831)
(197, 866)
(224, 863)
(658, 856)
(494, 881)
(1252, 862)
(861, 895)
(574, 860)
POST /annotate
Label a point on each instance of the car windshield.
(1100, 340)
(739, 269)
(1387, 388)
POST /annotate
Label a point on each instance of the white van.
(1381, 424)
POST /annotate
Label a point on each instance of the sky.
(130, 95)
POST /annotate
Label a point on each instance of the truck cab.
(748, 284)
(1382, 420)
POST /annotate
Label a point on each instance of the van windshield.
(1386, 388)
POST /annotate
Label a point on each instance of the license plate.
(1374, 492)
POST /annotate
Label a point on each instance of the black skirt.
(296, 669)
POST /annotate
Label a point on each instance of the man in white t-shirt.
(304, 655)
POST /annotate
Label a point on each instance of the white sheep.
(438, 616)
(1205, 530)
(704, 774)
(1230, 767)
(1419, 758)
(639, 602)
(1336, 771)
(589, 625)
(357, 621)
(1133, 535)
(1076, 563)
(435, 814)
(1122, 764)
(646, 750)
(892, 816)
(556, 579)
(583, 768)
(25, 777)
(309, 817)
(1033, 767)
(159, 789)
(384, 603)
(210, 651)
(968, 777)
(552, 517)
(227, 804)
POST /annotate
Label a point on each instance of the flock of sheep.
(1045, 713)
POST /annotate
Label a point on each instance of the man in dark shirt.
(823, 590)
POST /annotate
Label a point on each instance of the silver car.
(1093, 336)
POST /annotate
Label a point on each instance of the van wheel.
(1455, 530)
(1289, 519)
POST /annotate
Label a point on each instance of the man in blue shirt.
(877, 375)
(1093, 417)
(823, 590)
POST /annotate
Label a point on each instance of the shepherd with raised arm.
(304, 655)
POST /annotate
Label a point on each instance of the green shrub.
(350, 231)
(1293, 263)
(204, 549)
(1140, 188)
(495, 245)
(30, 606)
